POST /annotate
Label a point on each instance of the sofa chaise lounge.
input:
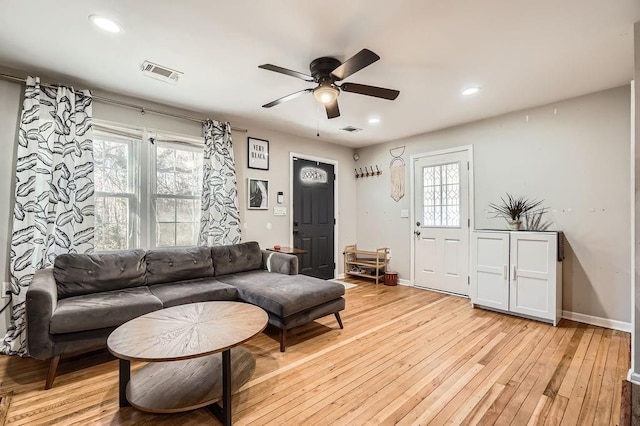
(74, 306)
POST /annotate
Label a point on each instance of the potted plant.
(513, 209)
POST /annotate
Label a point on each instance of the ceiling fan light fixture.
(326, 94)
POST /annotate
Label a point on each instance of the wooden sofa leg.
(339, 320)
(51, 372)
(283, 339)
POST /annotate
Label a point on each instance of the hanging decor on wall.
(258, 153)
(397, 172)
(258, 194)
(368, 171)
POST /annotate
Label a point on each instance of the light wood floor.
(405, 356)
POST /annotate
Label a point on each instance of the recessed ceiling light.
(470, 91)
(105, 24)
(374, 120)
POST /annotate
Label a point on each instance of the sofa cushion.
(78, 274)
(178, 264)
(102, 310)
(280, 294)
(236, 258)
(201, 290)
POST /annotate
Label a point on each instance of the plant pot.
(514, 225)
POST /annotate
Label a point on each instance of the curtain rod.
(124, 104)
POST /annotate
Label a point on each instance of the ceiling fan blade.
(286, 71)
(362, 59)
(332, 109)
(376, 92)
(286, 98)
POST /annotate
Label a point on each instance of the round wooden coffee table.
(191, 337)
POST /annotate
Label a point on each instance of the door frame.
(412, 211)
(334, 163)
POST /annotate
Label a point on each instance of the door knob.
(417, 232)
(295, 223)
(295, 231)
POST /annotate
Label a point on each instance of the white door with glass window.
(441, 228)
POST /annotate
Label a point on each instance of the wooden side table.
(289, 250)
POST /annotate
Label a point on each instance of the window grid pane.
(112, 219)
(115, 187)
(441, 189)
(177, 200)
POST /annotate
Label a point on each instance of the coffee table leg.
(223, 413)
(125, 375)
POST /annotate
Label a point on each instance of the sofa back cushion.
(236, 258)
(178, 264)
(78, 274)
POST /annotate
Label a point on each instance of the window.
(115, 192)
(176, 198)
(441, 195)
(146, 194)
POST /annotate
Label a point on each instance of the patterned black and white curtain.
(220, 217)
(54, 202)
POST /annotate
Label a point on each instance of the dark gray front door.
(313, 216)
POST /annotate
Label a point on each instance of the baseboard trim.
(633, 377)
(401, 281)
(598, 321)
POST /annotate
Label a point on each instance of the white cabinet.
(517, 272)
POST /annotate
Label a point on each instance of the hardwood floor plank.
(579, 391)
(624, 354)
(557, 410)
(543, 371)
(405, 356)
(588, 410)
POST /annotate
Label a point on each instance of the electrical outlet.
(5, 289)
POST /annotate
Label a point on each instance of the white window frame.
(142, 164)
(442, 203)
(133, 198)
(169, 141)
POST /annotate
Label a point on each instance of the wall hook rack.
(368, 172)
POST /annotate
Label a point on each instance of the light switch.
(404, 213)
(279, 211)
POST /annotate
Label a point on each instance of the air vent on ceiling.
(351, 129)
(160, 72)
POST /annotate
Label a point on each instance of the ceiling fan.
(326, 71)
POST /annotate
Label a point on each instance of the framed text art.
(257, 194)
(258, 153)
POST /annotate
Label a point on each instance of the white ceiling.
(522, 54)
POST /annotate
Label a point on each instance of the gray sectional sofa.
(74, 306)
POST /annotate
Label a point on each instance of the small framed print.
(257, 194)
(258, 153)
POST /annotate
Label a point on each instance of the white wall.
(10, 107)
(573, 154)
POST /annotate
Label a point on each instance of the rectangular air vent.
(350, 129)
(160, 72)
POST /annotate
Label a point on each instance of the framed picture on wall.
(257, 194)
(258, 153)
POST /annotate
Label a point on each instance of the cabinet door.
(489, 269)
(533, 274)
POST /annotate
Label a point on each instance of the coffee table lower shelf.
(177, 386)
